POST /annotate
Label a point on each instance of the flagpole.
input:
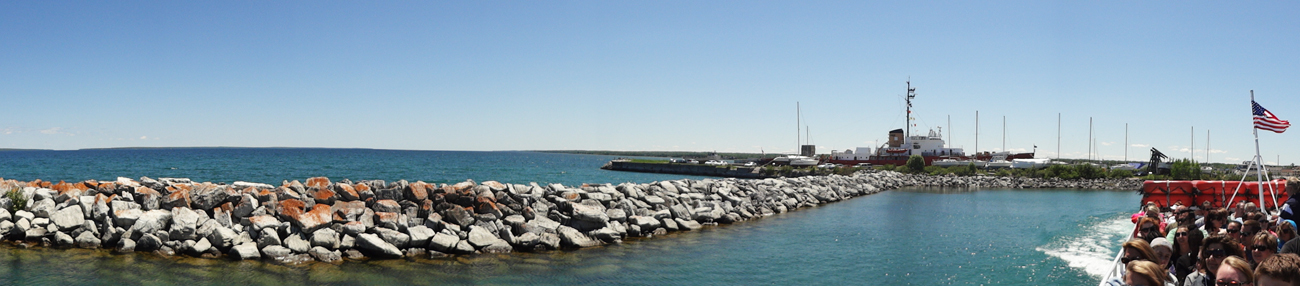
(1259, 173)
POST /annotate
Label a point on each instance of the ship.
(902, 145)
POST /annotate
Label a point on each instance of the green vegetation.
(16, 199)
(916, 163)
(1184, 169)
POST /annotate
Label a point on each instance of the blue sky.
(659, 75)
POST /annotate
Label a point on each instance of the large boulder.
(458, 215)
(376, 246)
(295, 243)
(396, 238)
(589, 213)
(207, 196)
(541, 225)
(443, 242)
(43, 208)
(420, 235)
(87, 240)
(325, 255)
(325, 237)
(572, 237)
(263, 221)
(316, 218)
(268, 236)
(126, 217)
(148, 242)
(246, 251)
(481, 237)
(184, 224)
(150, 222)
(68, 218)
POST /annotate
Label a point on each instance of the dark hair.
(1285, 267)
(1283, 226)
(1230, 246)
(1252, 224)
(1194, 239)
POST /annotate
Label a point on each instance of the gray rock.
(245, 251)
(264, 221)
(5, 215)
(184, 224)
(608, 234)
(35, 234)
(420, 235)
(481, 237)
(40, 222)
(295, 243)
(462, 247)
(354, 228)
(21, 214)
(348, 241)
(688, 224)
(549, 240)
(43, 208)
(267, 237)
(21, 227)
(325, 237)
(246, 205)
(588, 213)
(442, 242)
(670, 224)
(148, 242)
(458, 216)
(276, 252)
(325, 255)
(224, 238)
(377, 246)
(616, 214)
(541, 225)
(201, 246)
(644, 222)
(654, 200)
(396, 238)
(572, 237)
(63, 239)
(150, 222)
(6, 227)
(127, 217)
(125, 245)
(87, 240)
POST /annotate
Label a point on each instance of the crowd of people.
(1205, 246)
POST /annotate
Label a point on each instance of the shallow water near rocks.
(902, 237)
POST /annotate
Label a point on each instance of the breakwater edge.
(330, 221)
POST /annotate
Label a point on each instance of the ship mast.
(911, 93)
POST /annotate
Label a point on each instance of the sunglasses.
(1182, 233)
(1215, 253)
(1148, 229)
(1126, 260)
(1222, 282)
(1251, 233)
(1232, 230)
(1261, 248)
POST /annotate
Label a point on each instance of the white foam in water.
(1094, 249)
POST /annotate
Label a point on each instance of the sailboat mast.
(797, 127)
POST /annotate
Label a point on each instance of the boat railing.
(1116, 269)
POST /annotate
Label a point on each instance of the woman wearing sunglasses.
(1187, 244)
(1234, 271)
(1265, 246)
(1141, 272)
(1213, 251)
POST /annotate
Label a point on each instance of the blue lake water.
(902, 237)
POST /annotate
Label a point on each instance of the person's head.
(1279, 270)
(1148, 228)
(1248, 231)
(1262, 246)
(1217, 247)
(1233, 229)
(1205, 209)
(1216, 219)
(1239, 209)
(1137, 249)
(1188, 240)
(1285, 230)
(1144, 273)
(1293, 186)
(1163, 250)
(1234, 269)
(1152, 211)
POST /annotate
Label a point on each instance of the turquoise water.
(903, 237)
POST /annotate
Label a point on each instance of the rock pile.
(328, 221)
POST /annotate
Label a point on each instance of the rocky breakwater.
(954, 181)
(330, 221)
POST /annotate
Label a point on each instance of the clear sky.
(648, 75)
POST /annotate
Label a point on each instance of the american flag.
(1265, 120)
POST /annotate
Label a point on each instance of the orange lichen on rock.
(318, 182)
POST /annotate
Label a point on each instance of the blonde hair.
(1241, 266)
(1143, 248)
(1148, 270)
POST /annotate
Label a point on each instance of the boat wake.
(1093, 249)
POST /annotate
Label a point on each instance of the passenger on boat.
(1280, 270)
(1285, 231)
(1188, 244)
(1213, 251)
(1263, 247)
(1163, 251)
(1201, 213)
(1248, 231)
(1141, 272)
(1148, 229)
(1182, 218)
(1233, 230)
(1238, 212)
(1288, 209)
(1215, 221)
(1234, 271)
